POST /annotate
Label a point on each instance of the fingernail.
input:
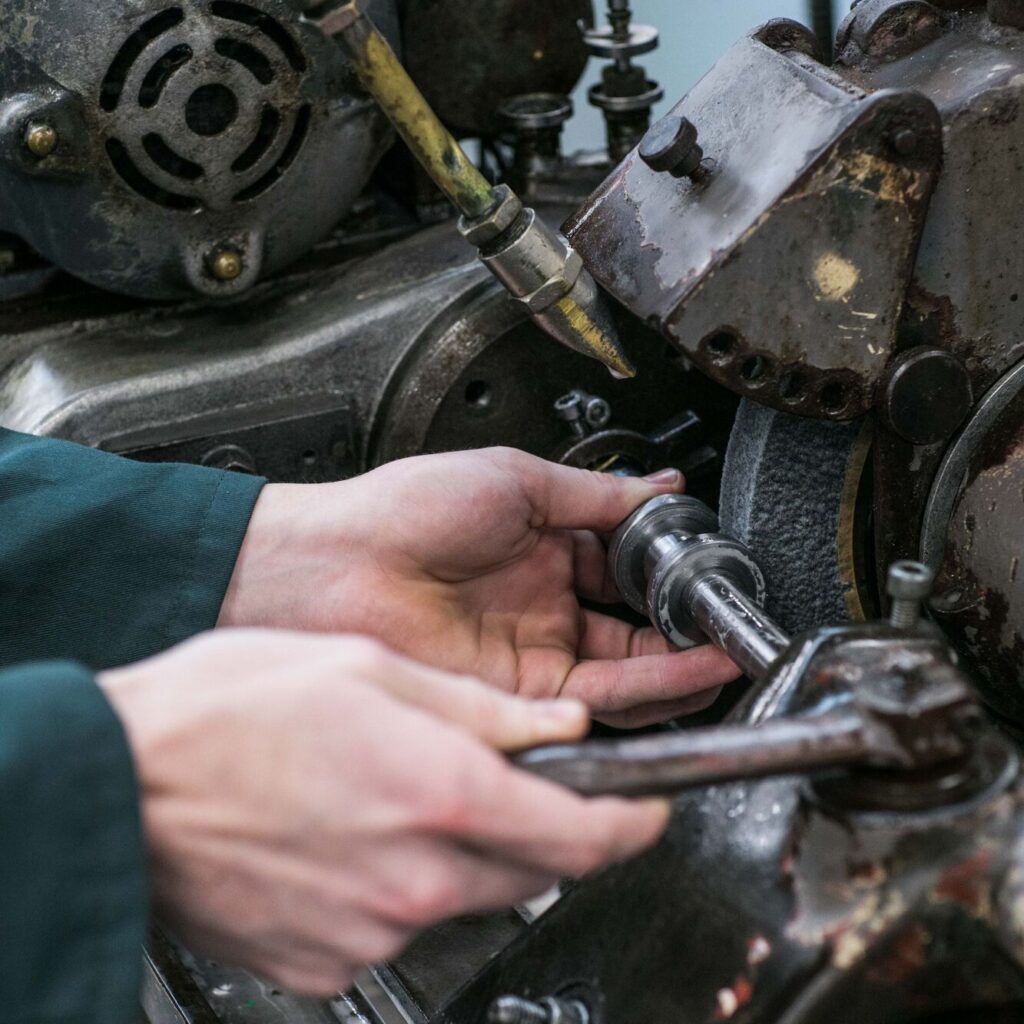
(664, 476)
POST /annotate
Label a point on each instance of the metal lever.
(701, 757)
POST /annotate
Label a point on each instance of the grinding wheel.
(790, 492)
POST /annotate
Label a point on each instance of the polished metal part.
(695, 584)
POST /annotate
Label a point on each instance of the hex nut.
(481, 230)
(555, 287)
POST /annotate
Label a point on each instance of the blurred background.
(694, 33)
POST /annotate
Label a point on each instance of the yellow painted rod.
(383, 76)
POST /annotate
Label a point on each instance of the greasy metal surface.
(134, 198)
(811, 917)
(980, 598)
(781, 272)
(326, 373)
(965, 294)
(468, 58)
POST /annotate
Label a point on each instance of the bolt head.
(226, 265)
(905, 142)
(41, 139)
(909, 581)
(671, 145)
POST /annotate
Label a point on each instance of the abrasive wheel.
(796, 491)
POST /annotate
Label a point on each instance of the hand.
(473, 562)
(310, 802)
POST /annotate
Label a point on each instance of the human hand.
(311, 802)
(473, 562)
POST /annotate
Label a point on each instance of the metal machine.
(212, 250)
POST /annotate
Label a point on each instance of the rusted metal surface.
(772, 902)
(469, 57)
(781, 272)
(982, 581)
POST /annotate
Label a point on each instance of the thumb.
(500, 720)
(563, 498)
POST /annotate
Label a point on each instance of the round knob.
(670, 146)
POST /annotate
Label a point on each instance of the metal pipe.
(736, 624)
(701, 757)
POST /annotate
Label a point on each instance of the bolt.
(670, 145)
(226, 264)
(570, 409)
(905, 142)
(516, 1010)
(909, 584)
(41, 139)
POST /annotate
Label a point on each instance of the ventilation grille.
(203, 108)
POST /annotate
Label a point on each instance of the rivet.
(41, 139)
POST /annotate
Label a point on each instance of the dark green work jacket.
(102, 562)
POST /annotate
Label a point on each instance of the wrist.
(277, 576)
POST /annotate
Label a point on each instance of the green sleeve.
(105, 561)
(72, 886)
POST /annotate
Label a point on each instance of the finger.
(590, 568)
(606, 637)
(501, 720)
(612, 686)
(546, 827)
(564, 498)
(663, 711)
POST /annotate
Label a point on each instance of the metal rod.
(389, 83)
(701, 757)
(736, 625)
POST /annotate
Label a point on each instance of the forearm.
(73, 899)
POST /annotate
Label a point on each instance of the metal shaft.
(736, 625)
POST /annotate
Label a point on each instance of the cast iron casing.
(200, 144)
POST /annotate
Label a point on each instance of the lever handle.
(667, 763)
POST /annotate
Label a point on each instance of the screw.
(226, 264)
(671, 145)
(41, 139)
(909, 584)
